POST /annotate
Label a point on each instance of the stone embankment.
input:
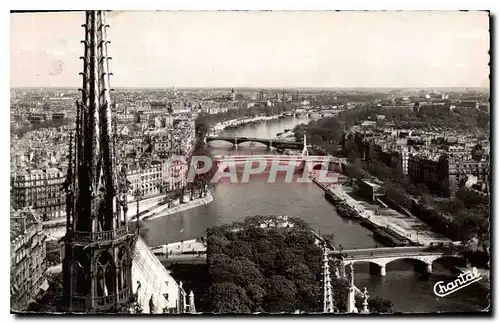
(220, 126)
(389, 226)
(148, 209)
(161, 211)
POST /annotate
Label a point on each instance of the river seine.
(408, 290)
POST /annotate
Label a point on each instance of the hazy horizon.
(265, 88)
(261, 50)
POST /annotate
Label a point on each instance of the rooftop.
(16, 219)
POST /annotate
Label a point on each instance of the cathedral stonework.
(97, 265)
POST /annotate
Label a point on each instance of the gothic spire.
(95, 158)
(97, 267)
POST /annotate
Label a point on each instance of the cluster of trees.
(46, 124)
(272, 269)
(328, 98)
(470, 214)
(200, 183)
(201, 180)
(465, 119)
(53, 254)
(463, 217)
(462, 119)
(326, 133)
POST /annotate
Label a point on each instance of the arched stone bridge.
(380, 257)
(235, 140)
(311, 162)
(322, 113)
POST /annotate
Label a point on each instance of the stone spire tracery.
(98, 245)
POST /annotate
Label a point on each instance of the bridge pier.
(376, 269)
(424, 268)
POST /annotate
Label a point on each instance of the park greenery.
(326, 132)
(20, 132)
(271, 269)
(458, 119)
(329, 130)
(464, 217)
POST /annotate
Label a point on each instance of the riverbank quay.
(150, 208)
(190, 252)
(381, 234)
(395, 223)
(234, 123)
(388, 225)
(144, 204)
(287, 135)
(165, 210)
(197, 245)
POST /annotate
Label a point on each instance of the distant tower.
(327, 285)
(233, 95)
(98, 246)
(305, 152)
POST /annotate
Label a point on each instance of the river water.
(408, 290)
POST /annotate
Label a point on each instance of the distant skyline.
(279, 49)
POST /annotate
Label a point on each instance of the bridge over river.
(319, 112)
(380, 257)
(307, 163)
(269, 142)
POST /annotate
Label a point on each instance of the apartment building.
(40, 189)
(27, 257)
(147, 179)
(445, 174)
(176, 169)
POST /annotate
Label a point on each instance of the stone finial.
(192, 307)
(365, 301)
(152, 305)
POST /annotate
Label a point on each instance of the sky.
(259, 49)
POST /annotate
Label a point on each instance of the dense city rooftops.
(21, 220)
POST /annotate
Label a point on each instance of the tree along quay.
(382, 234)
(462, 218)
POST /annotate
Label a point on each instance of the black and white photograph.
(252, 162)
